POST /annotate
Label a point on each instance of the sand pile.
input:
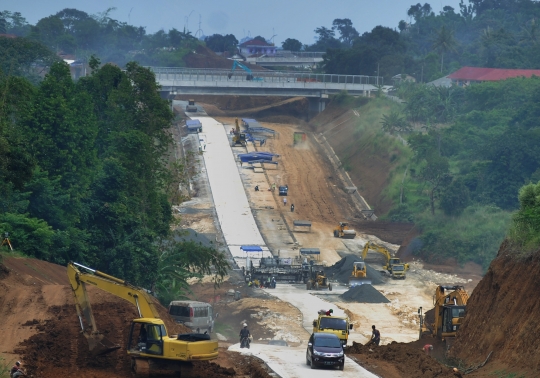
(341, 271)
(364, 294)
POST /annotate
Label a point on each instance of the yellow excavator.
(239, 138)
(393, 264)
(449, 303)
(149, 344)
(343, 231)
(359, 274)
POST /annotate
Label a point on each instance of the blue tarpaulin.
(251, 248)
(310, 251)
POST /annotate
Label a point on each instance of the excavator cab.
(146, 337)
(451, 320)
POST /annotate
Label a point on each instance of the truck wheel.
(329, 287)
(336, 234)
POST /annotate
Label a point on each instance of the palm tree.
(444, 41)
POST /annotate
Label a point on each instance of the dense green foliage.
(76, 32)
(474, 148)
(525, 230)
(484, 33)
(85, 176)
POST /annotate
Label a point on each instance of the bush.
(525, 229)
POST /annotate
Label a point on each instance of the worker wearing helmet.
(16, 370)
(329, 312)
(244, 333)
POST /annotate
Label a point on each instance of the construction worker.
(329, 312)
(284, 201)
(274, 187)
(244, 334)
(16, 370)
(256, 188)
(375, 336)
(292, 207)
(427, 349)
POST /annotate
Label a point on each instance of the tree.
(347, 32)
(436, 173)
(291, 44)
(222, 43)
(394, 122)
(444, 42)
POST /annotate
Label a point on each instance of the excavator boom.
(138, 297)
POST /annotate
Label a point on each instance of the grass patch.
(5, 367)
(504, 374)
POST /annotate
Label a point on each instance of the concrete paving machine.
(149, 345)
(317, 279)
(450, 303)
(239, 138)
(343, 231)
(393, 265)
(359, 274)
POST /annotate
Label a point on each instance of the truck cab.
(283, 190)
(337, 325)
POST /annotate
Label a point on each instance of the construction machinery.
(316, 279)
(338, 325)
(359, 274)
(191, 107)
(449, 303)
(343, 231)
(239, 138)
(149, 345)
(393, 265)
(249, 76)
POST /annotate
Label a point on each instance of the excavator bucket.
(99, 344)
(349, 234)
(355, 281)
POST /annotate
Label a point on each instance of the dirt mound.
(502, 315)
(341, 271)
(397, 360)
(364, 294)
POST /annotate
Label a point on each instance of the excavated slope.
(502, 316)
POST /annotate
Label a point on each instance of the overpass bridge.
(316, 87)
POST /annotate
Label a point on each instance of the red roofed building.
(467, 75)
(257, 47)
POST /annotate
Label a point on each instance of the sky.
(280, 19)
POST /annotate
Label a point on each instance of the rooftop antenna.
(197, 35)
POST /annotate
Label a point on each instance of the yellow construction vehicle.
(393, 264)
(338, 325)
(449, 303)
(317, 279)
(359, 274)
(343, 231)
(191, 107)
(239, 138)
(149, 344)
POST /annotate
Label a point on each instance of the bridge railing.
(211, 74)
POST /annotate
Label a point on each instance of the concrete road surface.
(290, 362)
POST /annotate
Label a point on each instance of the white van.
(193, 314)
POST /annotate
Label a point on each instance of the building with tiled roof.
(467, 75)
(257, 47)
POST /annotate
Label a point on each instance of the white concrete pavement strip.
(232, 207)
(290, 362)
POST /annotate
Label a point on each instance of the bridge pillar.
(316, 105)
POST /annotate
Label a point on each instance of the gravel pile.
(341, 271)
(364, 294)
